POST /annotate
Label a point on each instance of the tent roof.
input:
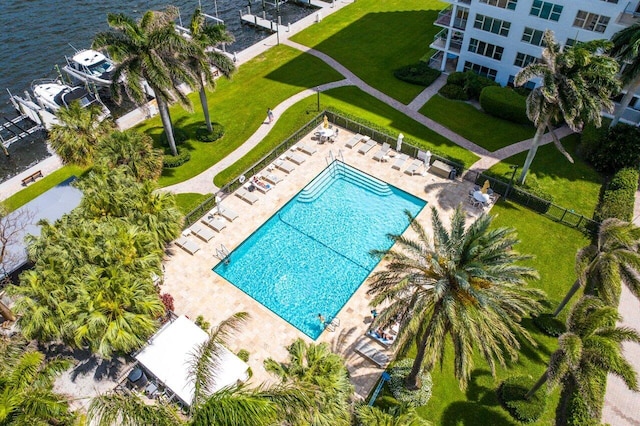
(168, 353)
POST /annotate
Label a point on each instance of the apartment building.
(496, 38)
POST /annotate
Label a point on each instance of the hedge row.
(610, 150)
(172, 161)
(421, 74)
(471, 84)
(619, 197)
(505, 103)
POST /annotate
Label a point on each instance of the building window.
(505, 4)
(546, 10)
(570, 42)
(533, 36)
(591, 21)
(480, 70)
(611, 1)
(528, 85)
(522, 60)
(485, 49)
(492, 25)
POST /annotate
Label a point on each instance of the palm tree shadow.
(481, 394)
(339, 343)
(463, 413)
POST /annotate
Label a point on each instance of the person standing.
(269, 115)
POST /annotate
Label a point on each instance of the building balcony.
(630, 15)
(444, 19)
(451, 61)
(467, 2)
(440, 42)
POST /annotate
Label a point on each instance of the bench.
(32, 177)
(441, 169)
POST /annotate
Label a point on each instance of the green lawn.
(489, 132)
(554, 246)
(240, 105)
(188, 201)
(373, 38)
(353, 101)
(573, 186)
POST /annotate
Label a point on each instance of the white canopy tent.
(168, 354)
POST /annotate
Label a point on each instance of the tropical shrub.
(413, 398)
(452, 91)
(475, 83)
(243, 354)
(179, 135)
(204, 135)
(167, 301)
(549, 325)
(504, 102)
(511, 394)
(421, 74)
(590, 140)
(614, 148)
(202, 323)
(172, 161)
(619, 197)
(457, 78)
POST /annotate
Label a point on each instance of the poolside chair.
(214, 223)
(373, 354)
(378, 156)
(284, 165)
(414, 167)
(244, 194)
(367, 146)
(272, 179)
(295, 158)
(400, 159)
(205, 234)
(354, 141)
(187, 245)
(227, 213)
(309, 150)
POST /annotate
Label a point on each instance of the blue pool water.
(313, 254)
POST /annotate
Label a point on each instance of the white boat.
(91, 67)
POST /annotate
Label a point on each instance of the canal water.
(37, 34)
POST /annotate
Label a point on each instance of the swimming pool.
(313, 254)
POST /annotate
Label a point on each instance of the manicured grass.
(554, 246)
(240, 105)
(489, 132)
(372, 38)
(353, 101)
(188, 201)
(21, 198)
(573, 186)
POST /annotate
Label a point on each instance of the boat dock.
(12, 130)
(261, 22)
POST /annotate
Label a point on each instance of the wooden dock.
(266, 24)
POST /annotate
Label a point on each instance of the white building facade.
(496, 38)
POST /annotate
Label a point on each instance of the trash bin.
(138, 378)
(453, 173)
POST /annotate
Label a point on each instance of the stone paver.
(419, 101)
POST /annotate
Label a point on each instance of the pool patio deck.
(197, 290)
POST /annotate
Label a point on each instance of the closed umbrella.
(399, 143)
(326, 122)
(218, 200)
(485, 187)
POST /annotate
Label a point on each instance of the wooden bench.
(441, 169)
(32, 177)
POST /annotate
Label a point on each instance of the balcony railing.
(444, 19)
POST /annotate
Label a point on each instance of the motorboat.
(90, 66)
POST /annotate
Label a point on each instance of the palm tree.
(592, 344)
(231, 406)
(611, 261)
(26, 387)
(576, 85)
(372, 416)
(150, 50)
(133, 150)
(463, 283)
(79, 133)
(315, 366)
(626, 46)
(207, 38)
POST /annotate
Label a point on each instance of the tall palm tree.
(133, 150)
(26, 387)
(626, 49)
(79, 133)
(463, 283)
(231, 406)
(372, 416)
(613, 260)
(151, 50)
(207, 37)
(314, 365)
(592, 344)
(576, 86)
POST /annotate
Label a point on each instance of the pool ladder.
(223, 254)
(330, 158)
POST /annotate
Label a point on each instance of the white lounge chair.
(187, 245)
(214, 223)
(227, 213)
(261, 185)
(374, 355)
(284, 165)
(205, 234)
(245, 195)
(355, 140)
(414, 167)
(400, 159)
(309, 150)
(367, 146)
(378, 156)
(295, 158)
(272, 179)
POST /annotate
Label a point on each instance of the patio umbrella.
(399, 143)
(485, 187)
